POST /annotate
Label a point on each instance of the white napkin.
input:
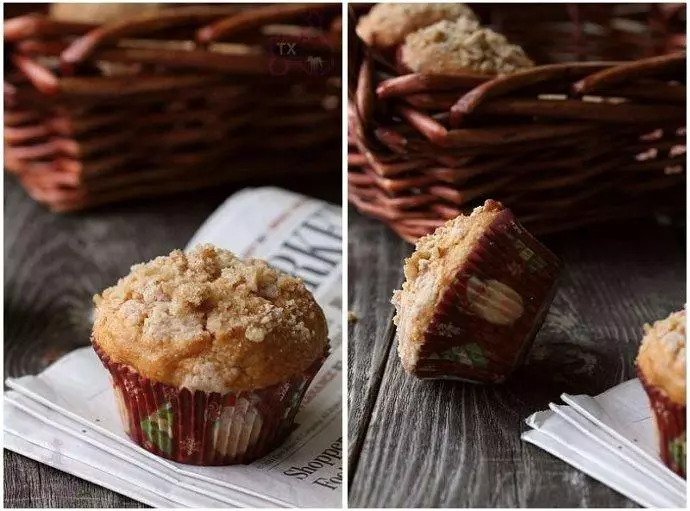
(611, 438)
(66, 417)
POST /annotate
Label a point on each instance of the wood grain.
(450, 444)
(54, 264)
(30, 484)
(374, 269)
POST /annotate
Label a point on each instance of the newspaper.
(66, 416)
(611, 438)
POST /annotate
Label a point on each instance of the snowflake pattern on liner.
(131, 387)
(190, 446)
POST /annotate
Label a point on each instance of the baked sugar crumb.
(388, 24)
(436, 257)
(454, 47)
(670, 332)
(203, 315)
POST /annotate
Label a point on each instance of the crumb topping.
(662, 355)
(100, 12)
(386, 25)
(429, 270)
(454, 47)
(208, 320)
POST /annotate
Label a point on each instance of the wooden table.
(53, 266)
(451, 444)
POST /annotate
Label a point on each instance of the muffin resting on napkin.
(209, 355)
(661, 368)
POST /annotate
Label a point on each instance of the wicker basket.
(182, 98)
(596, 131)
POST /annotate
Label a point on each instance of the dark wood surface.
(451, 444)
(53, 266)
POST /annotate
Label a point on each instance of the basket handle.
(254, 18)
(617, 74)
(85, 46)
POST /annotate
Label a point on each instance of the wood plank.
(29, 483)
(450, 444)
(374, 269)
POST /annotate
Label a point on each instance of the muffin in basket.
(461, 46)
(475, 294)
(387, 25)
(100, 12)
(661, 368)
(209, 355)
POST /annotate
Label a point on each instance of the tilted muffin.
(386, 25)
(661, 368)
(475, 293)
(210, 355)
(461, 46)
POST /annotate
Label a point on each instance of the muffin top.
(99, 12)
(209, 321)
(456, 47)
(662, 356)
(429, 271)
(386, 25)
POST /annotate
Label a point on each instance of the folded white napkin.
(66, 417)
(611, 438)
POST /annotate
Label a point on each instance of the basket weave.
(596, 131)
(182, 98)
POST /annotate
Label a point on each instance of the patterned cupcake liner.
(206, 428)
(670, 421)
(488, 317)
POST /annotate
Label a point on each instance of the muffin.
(661, 368)
(475, 293)
(461, 46)
(100, 12)
(209, 355)
(386, 25)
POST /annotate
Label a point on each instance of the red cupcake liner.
(670, 421)
(489, 315)
(206, 428)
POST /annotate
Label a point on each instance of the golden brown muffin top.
(429, 271)
(662, 356)
(207, 320)
(386, 25)
(461, 46)
(100, 12)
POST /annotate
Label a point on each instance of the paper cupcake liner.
(670, 424)
(488, 317)
(206, 428)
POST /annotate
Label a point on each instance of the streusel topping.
(662, 355)
(386, 25)
(459, 46)
(208, 320)
(428, 272)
